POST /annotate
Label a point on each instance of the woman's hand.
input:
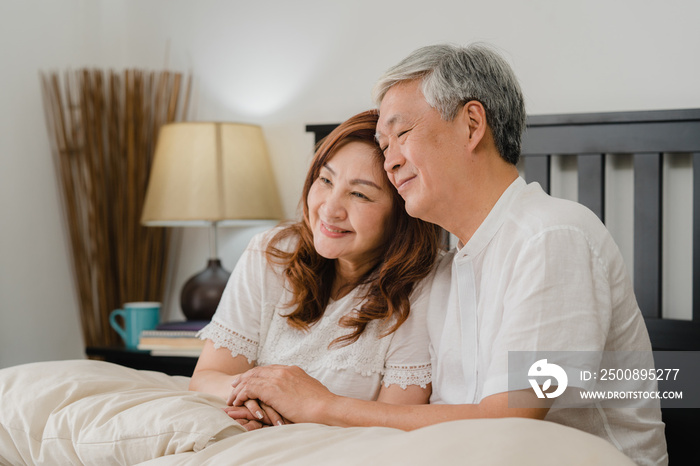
(289, 390)
(250, 425)
(255, 413)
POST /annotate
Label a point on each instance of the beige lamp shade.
(210, 172)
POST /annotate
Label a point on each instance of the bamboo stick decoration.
(103, 130)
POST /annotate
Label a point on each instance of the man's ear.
(475, 116)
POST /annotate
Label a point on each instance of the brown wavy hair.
(409, 252)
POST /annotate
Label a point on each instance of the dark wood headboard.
(648, 136)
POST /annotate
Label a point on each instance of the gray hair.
(454, 75)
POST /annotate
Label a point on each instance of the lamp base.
(201, 294)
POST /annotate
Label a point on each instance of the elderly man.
(530, 273)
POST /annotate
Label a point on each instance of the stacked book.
(173, 339)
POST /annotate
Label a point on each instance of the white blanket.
(91, 412)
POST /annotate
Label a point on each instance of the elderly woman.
(339, 293)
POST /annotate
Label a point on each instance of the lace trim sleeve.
(227, 338)
(404, 376)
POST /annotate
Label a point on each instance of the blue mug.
(137, 317)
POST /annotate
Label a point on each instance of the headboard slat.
(647, 232)
(538, 168)
(591, 183)
(696, 236)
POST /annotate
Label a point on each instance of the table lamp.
(203, 174)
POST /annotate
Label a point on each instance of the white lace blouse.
(249, 321)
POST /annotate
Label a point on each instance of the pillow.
(94, 412)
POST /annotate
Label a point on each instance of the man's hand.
(289, 390)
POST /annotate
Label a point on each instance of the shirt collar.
(491, 223)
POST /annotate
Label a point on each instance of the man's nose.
(393, 160)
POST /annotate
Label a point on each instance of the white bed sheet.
(91, 412)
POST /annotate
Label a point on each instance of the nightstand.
(142, 360)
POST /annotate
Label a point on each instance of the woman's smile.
(332, 231)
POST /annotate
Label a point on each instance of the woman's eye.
(360, 195)
(402, 133)
(324, 180)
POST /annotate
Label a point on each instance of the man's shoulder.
(537, 211)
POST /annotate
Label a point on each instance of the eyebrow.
(393, 120)
(355, 181)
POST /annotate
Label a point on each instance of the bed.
(95, 412)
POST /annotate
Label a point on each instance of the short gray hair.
(454, 75)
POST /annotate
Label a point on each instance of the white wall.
(38, 318)
(284, 64)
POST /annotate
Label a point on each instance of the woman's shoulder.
(282, 237)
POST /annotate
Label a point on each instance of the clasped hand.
(255, 415)
(275, 395)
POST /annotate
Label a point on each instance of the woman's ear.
(475, 116)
